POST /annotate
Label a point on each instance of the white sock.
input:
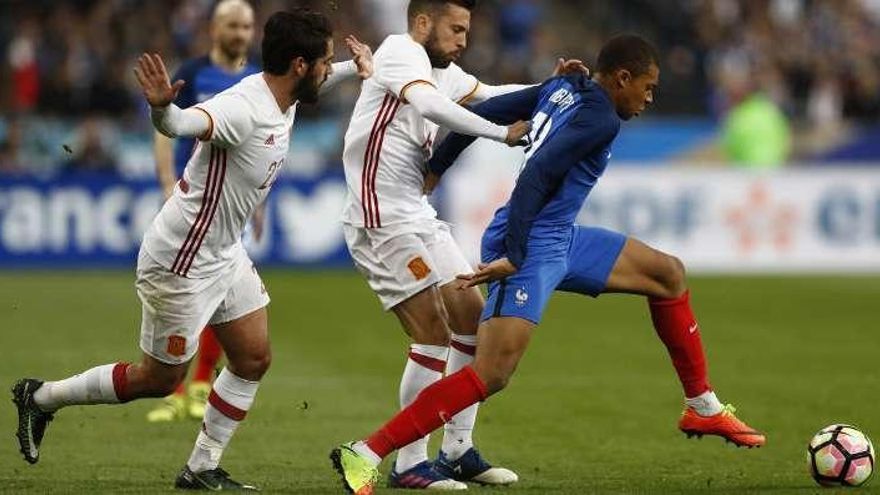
(94, 386)
(231, 398)
(363, 449)
(424, 366)
(705, 404)
(458, 433)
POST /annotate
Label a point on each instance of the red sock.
(209, 354)
(120, 381)
(677, 328)
(180, 390)
(434, 406)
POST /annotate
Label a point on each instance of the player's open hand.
(362, 56)
(496, 270)
(518, 132)
(431, 181)
(569, 67)
(153, 78)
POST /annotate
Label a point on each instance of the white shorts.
(399, 261)
(176, 309)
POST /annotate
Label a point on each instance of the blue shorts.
(577, 261)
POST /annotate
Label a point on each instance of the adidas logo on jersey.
(271, 140)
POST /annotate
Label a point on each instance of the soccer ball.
(841, 455)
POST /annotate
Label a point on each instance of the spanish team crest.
(176, 346)
(419, 268)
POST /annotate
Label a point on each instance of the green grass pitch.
(592, 409)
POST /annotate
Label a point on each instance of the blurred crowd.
(815, 62)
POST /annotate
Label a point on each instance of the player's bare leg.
(424, 318)
(458, 458)
(643, 270)
(246, 343)
(502, 344)
(199, 388)
(115, 383)
(189, 401)
(503, 341)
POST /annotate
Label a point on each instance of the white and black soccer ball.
(841, 455)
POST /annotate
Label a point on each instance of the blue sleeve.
(188, 71)
(501, 110)
(583, 135)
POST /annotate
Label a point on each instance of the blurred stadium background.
(761, 152)
(761, 157)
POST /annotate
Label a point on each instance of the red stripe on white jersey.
(215, 202)
(203, 210)
(368, 152)
(378, 152)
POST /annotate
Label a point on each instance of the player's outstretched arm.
(504, 110)
(564, 67)
(167, 117)
(439, 109)
(360, 65)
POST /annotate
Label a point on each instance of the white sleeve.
(444, 112)
(231, 117)
(399, 64)
(174, 122)
(485, 91)
(341, 71)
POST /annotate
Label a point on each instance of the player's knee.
(434, 330)
(470, 316)
(253, 366)
(497, 380)
(495, 374)
(673, 278)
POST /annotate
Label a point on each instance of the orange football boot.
(724, 424)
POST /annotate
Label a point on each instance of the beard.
(307, 88)
(438, 59)
(234, 48)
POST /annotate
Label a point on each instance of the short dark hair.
(291, 34)
(630, 52)
(417, 7)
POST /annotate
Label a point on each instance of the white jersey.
(198, 231)
(388, 142)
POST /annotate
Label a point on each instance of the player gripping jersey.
(533, 248)
(408, 257)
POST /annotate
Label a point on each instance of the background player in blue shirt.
(533, 247)
(232, 33)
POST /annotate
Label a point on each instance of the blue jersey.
(573, 125)
(203, 81)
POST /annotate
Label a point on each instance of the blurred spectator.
(756, 133)
(22, 55)
(92, 149)
(816, 60)
(10, 148)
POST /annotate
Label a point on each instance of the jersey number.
(541, 125)
(272, 175)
